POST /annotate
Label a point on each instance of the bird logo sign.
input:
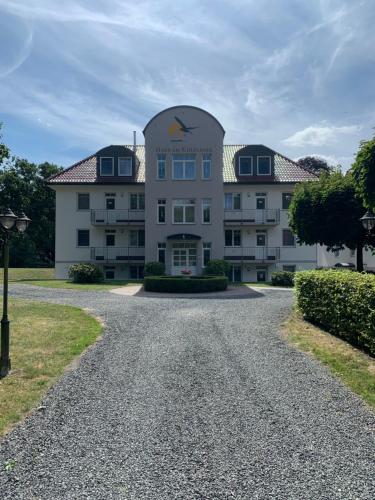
(178, 130)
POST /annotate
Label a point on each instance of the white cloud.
(320, 135)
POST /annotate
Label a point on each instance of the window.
(162, 248)
(161, 211)
(336, 253)
(261, 239)
(261, 202)
(110, 203)
(136, 272)
(137, 238)
(246, 165)
(125, 167)
(288, 238)
(161, 166)
(83, 237)
(286, 199)
(206, 211)
(206, 166)
(232, 237)
(206, 253)
(261, 275)
(184, 254)
(184, 167)
(264, 165)
(232, 201)
(110, 240)
(109, 272)
(289, 269)
(137, 201)
(106, 166)
(83, 201)
(183, 211)
(352, 253)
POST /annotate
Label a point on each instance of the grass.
(45, 338)
(108, 285)
(353, 367)
(21, 274)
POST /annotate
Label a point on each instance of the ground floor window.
(261, 275)
(109, 272)
(136, 272)
(235, 273)
(162, 248)
(206, 253)
(289, 269)
(184, 254)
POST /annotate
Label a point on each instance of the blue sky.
(76, 75)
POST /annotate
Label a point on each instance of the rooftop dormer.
(255, 164)
(116, 164)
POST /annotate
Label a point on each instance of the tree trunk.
(359, 257)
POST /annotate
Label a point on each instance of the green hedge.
(341, 302)
(195, 284)
(85, 273)
(282, 278)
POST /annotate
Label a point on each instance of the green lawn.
(79, 286)
(353, 367)
(21, 274)
(45, 338)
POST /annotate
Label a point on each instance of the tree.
(328, 212)
(363, 171)
(314, 164)
(4, 150)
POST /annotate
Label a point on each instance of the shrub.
(217, 267)
(341, 302)
(195, 284)
(282, 278)
(85, 273)
(154, 269)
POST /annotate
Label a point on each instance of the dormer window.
(106, 166)
(245, 165)
(264, 165)
(125, 167)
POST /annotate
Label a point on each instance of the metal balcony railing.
(253, 216)
(117, 217)
(117, 254)
(256, 254)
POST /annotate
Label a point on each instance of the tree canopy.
(363, 171)
(23, 187)
(314, 164)
(328, 212)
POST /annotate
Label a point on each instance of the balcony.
(123, 217)
(117, 254)
(252, 254)
(252, 217)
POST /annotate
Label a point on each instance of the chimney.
(134, 141)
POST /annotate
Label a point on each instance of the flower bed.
(180, 284)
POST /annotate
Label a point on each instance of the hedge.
(342, 302)
(85, 273)
(154, 269)
(195, 284)
(282, 278)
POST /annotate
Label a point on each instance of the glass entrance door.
(184, 258)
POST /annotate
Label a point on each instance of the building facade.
(182, 198)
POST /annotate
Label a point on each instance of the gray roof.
(84, 172)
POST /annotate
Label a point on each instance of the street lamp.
(9, 222)
(368, 221)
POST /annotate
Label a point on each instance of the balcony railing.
(117, 217)
(255, 254)
(252, 216)
(117, 254)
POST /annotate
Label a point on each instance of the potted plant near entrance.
(186, 272)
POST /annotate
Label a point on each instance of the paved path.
(191, 399)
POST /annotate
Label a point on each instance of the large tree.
(363, 171)
(327, 212)
(314, 164)
(23, 187)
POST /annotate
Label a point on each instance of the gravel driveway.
(191, 399)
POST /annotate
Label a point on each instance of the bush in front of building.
(341, 302)
(85, 273)
(154, 269)
(195, 284)
(217, 267)
(282, 278)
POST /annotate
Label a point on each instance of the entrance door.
(184, 257)
(235, 273)
(261, 275)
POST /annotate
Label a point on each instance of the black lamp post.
(368, 221)
(8, 222)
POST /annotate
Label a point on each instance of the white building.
(182, 198)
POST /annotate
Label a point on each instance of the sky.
(295, 75)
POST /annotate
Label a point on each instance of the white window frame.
(82, 229)
(135, 231)
(159, 204)
(83, 209)
(131, 166)
(270, 165)
(207, 202)
(251, 164)
(232, 201)
(163, 247)
(232, 238)
(137, 195)
(106, 158)
(177, 202)
(158, 159)
(282, 236)
(206, 246)
(204, 160)
(184, 178)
